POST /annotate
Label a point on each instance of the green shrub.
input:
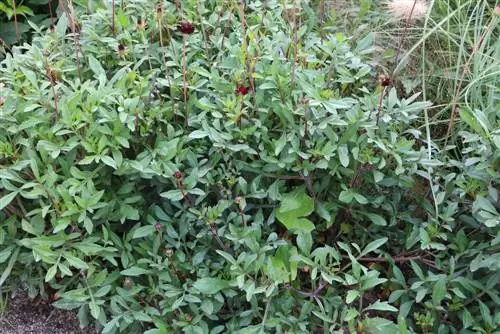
(242, 178)
(14, 16)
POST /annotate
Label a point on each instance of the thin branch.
(15, 20)
(113, 18)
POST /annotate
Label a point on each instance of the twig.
(228, 22)
(295, 42)
(203, 32)
(184, 82)
(180, 186)
(159, 16)
(113, 18)
(50, 76)
(395, 259)
(308, 181)
(312, 294)
(216, 236)
(403, 37)
(15, 20)
(380, 100)
(51, 13)
(321, 18)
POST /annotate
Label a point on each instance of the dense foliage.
(208, 168)
(14, 24)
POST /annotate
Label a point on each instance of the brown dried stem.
(15, 20)
(184, 82)
(113, 18)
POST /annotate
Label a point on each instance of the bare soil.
(25, 316)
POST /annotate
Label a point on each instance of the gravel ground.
(25, 316)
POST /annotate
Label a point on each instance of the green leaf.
(5, 200)
(209, 285)
(9, 267)
(198, 134)
(381, 306)
(96, 67)
(376, 219)
(51, 273)
(75, 262)
(143, 231)
(294, 206)
(109, 161)
(351, 296)
(374, 245)
(173, 195)
(94, 309)
(346, 196)
(298, 224)
(343, 155)
(134, 271)
(439, 291)
(381, 326)
(304, 241)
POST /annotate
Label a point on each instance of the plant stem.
(51, 13)
(226, 25)
(243, 222)
(295, 42)
(216, 236)
(159, 18)
(380, 100)
(321, 18)
(403, 37)
(205, 39)
(264, 318)
(113, 18)
(15, 20)
(396, 259)
(180, 186)
(184, 83)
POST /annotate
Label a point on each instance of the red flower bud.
(186, 28)
(178, 175)
(121, 49)
(237, 200)
(140, 25)
(158, 227)
(384, 80)
(242, 90)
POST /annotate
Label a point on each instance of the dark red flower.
(158, 227)
(186, 28)
(121, 50)
(178, 175)
(384, 80)
(140, 24)
(242, 90)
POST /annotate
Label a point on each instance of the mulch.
(25, 316)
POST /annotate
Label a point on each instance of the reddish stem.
(380, 100)
(184, 82)
(113, 18)
(15, 20)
